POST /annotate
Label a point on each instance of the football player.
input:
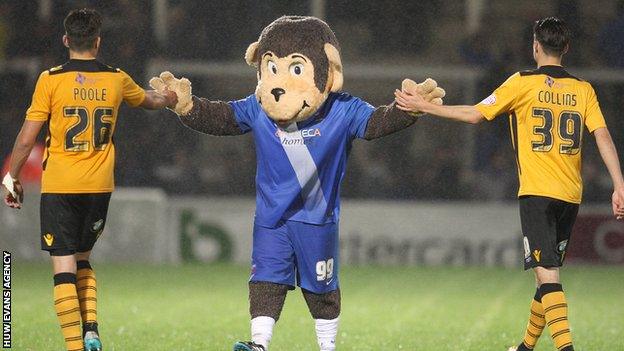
(79, 101)
(548, 109)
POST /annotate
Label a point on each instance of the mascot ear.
(335, 68)
(251, 54)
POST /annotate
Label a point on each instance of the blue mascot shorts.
(296, 253)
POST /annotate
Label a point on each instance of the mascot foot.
(248, 346)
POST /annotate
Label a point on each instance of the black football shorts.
(72, 223)
(547, 226)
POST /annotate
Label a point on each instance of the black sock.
(87, 327)
(522, 347)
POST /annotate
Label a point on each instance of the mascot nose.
(277, 92)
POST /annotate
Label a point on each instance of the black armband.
(211, 117)
(386, 120)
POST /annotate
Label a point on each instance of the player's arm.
(609, 155)
(502, 100)
(24, 143)
(36, 116)
(413, 103)
(136, 96)
(156, 101)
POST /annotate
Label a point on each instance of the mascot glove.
(428, 89)
(182, 88)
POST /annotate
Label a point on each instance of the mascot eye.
(272, 67)
(296, 69)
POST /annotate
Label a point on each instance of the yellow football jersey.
(80, 101)
(548, 109)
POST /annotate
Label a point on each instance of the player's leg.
(272, 275)
(555, 307)
(537, 322)
(316, 250)
(66, 300)
(553, 298)
(86, 286)
(60, 224)
(535, 227)
(96, 209)
(547, 224)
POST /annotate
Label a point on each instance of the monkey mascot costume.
(303, 129)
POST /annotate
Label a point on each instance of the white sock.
(326, 331)
(262, 330)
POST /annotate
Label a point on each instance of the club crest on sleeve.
(490, 100)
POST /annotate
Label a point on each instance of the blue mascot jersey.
(300, 168)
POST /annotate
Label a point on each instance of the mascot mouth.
(305, 104)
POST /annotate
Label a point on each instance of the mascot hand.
(182, 88)
(428, 89)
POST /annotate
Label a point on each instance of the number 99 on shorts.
(325, 270)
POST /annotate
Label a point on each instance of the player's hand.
(171, 97)
(15, 198)
(407, 98)
(412, 104)
(617, 200)
(181, 87)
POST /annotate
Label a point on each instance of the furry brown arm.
(387, 120)
(211, 117)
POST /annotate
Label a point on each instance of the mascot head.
(298, 63)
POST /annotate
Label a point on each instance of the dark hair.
(553, 34)
(82, 28)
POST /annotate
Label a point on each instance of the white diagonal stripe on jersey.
(304, 167)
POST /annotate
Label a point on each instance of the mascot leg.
(266, 301)
(325, 309)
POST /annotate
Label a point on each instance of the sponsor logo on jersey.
(306, 133)
(553, 83)
(82, 79)
(490, 100)
(303, 138)
(310, 133)
(49, 239)
(537, 254)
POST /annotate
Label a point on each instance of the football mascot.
(303, 128)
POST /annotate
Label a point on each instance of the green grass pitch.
(204, 307)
